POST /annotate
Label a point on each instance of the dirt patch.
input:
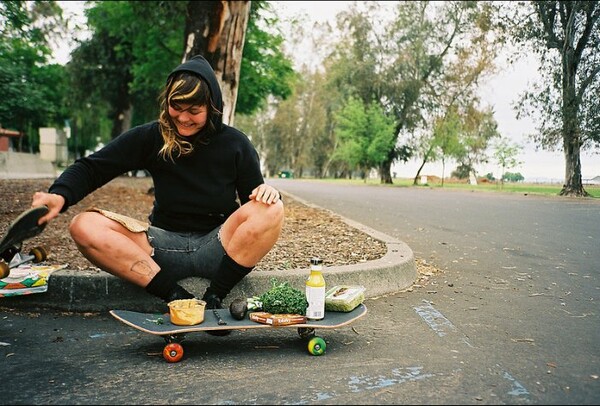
(307, 231)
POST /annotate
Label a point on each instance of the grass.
(523, 188)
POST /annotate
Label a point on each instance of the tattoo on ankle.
(143, 268)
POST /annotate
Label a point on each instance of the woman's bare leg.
(113, 248)
(252, 231)
(247, 236)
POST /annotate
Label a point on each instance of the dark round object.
(238, 309)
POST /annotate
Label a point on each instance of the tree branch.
(547, 15)
(590, 20)
(586, 82)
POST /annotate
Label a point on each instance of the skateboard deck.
(160, 325)
(22, 228)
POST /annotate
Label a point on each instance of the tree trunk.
(385, 170)
(573, 185)
(121, 111)
(122, 121)
(425, 159)
(415, 180)
(443, 170)
(216, 30)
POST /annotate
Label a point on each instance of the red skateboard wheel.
(173, 352)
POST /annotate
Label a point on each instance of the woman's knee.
(83, 226)
(268, 217)
(276, 212)
(266, 213)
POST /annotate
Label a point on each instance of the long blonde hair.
(183, 88)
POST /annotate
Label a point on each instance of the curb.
(98, 291)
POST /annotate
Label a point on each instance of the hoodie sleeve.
(249, 174)
(127, 152)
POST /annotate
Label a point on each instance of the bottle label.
(316, 302)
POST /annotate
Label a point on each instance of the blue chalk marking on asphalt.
(361, 383)
(324, 396)
(399, 375)
(102, 335)
(436, 320)
(517, 388)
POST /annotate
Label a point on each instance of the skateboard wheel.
(173, 352)
(39, 253)
(316, 346)
(306, 332)
(4, 270)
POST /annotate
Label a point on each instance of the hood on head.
(200, 66)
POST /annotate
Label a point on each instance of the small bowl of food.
(187, 312)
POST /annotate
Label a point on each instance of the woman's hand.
(265, 194)
(54, 203)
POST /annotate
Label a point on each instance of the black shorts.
(187, 254)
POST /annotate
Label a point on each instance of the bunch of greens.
(283, 298)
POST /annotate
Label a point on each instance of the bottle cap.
(316, 261)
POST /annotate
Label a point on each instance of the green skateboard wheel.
(316, 346)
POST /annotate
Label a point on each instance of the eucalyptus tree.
(446, 138)
(443, 51)
(479, 129)
(228, 35)
(456, 125)
(404, 64)
(293, 128)
(358, 64)
(281, 142)
(317, 97)
(565, 35)
(365, 135)
(506, 155)
(216, 30)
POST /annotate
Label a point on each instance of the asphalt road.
(512, 319)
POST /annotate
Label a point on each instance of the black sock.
(229, 274)
(165, 287)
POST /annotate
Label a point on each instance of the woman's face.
(188, 118)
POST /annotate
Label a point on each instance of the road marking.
(355, 384)
(103, 335)
(517, 389)
(399, 375)
(437, 321)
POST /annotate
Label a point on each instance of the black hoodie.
(196, 192)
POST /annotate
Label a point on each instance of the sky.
(500, 92)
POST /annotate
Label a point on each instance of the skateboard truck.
(35, 255)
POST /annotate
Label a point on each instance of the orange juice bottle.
(315, 290)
